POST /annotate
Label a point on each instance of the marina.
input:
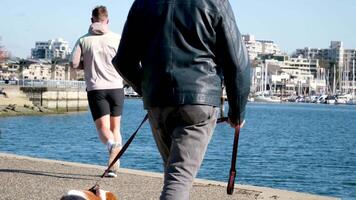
(299, 147)
(299, 135)
(303, 80)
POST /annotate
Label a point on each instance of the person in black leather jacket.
(177, 54)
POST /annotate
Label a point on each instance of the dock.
(23, 177)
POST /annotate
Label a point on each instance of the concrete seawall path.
(24, 177)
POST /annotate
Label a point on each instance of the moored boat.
(267, 99)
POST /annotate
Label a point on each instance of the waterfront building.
(349, 73)
(332, 55)
(295, 76)
(253, 47)
(313, 53)
(52, 49)
(43, 70)
(34, 70)
(256, 48)
(9, 70)
(269, 47)
(337, 61)
(336, 52)
(59, 72)
(349, 56)
(306, 75)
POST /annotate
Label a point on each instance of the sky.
(291, 24)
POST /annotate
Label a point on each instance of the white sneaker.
(111, 174)
(112, 154)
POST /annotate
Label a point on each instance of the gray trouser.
(182, 135)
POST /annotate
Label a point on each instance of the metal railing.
(46, 84)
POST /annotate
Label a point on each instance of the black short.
(104, 102)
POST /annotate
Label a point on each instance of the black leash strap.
(122, 151)
(230, 187)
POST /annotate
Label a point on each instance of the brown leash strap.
(230, 186)
(231, 183)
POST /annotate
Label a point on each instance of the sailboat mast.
(353, 79)
(347, 77)
(334, 85)
(343, 80)
(339, 81)
(266, 77)
(262, 79)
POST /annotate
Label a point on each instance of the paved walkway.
(31, 178)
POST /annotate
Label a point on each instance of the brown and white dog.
(89, 195)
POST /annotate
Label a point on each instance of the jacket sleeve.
(76, 57)
(127, 59)
(233, 58)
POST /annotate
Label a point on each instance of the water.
(300, 147)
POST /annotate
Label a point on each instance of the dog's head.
(89, 195)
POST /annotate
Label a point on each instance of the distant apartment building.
(36, 71)
(302, 68)
(349, 57)
(260, 47)
(59, 72)
(332, 55)
(9, 70)
(298, 75)
(306, 73)
(52, 49)
(338, 60)
(253, 47)
(336, 52)
(41, 70)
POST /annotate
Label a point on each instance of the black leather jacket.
(176, 52)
